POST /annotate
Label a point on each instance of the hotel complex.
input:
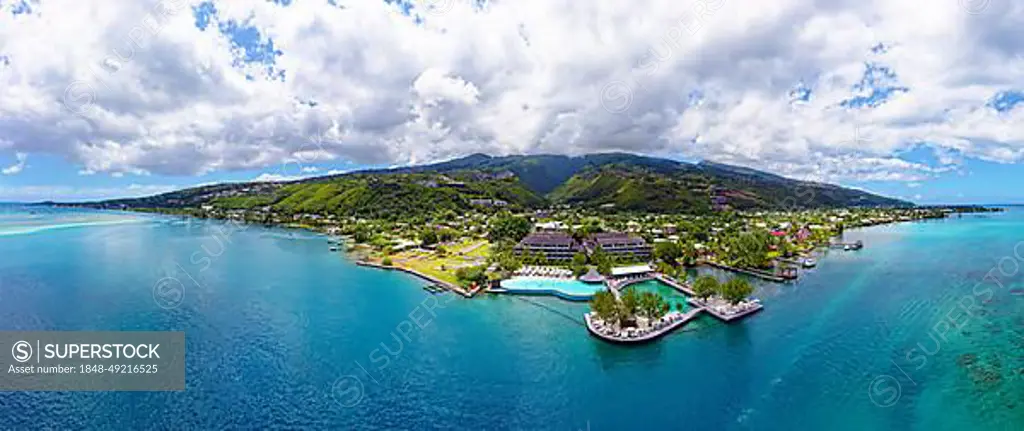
(619, 245)
(561, 246)
(553, 245)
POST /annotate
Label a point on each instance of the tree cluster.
(734, 290)
(472, 275)
(632, 304)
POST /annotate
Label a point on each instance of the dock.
(645, 338)
(751, 272)
(847, 245)
(675, 284)
(725, 317)
(790, 261)
(440, 283)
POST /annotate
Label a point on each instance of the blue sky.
(211, 91)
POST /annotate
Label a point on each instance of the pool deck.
(558, 293)
(542, 292)
(645, 338)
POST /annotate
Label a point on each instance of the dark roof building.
(553, 245)
(618, 244)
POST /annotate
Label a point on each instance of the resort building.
(553, 245)
(619, 245)
(625, 275)
(488, 202)
(632, 271)
(551, 226)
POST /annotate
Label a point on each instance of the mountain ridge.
(623, 181)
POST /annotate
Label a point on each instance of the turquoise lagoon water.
(15, 220)
(555, 286)
(670, 294)
(282, 333)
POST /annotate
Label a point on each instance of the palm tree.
(651, 305)
(606, 306)
(705, 286)
(630, 303)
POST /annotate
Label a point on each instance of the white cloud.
(145, 91)
(275, 178)
(71, 193)
(18, 165)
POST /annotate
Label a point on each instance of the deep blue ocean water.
(282, 333)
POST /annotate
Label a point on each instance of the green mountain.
(613, 181)
(634, 188)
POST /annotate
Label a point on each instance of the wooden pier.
(847, 245)
(675, 284)
(751, 272)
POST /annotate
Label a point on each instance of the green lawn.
(430, 264)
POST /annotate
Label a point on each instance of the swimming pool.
(573, 290)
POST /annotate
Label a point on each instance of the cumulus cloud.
(18, 166)
(822, 89)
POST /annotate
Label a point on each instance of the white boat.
(810, 263)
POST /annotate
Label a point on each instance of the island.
(585, 228)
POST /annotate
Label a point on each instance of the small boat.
(333, 248)
(810, 263)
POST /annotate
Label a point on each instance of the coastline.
(361, 259)
(780, 356)
(447, 285)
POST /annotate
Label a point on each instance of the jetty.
(753, 272)
(847, 245)
(676, 321)
(696, 303)
(436, 281)
(752, 308)
(802, 262)
(675, 284)
(793, 262)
